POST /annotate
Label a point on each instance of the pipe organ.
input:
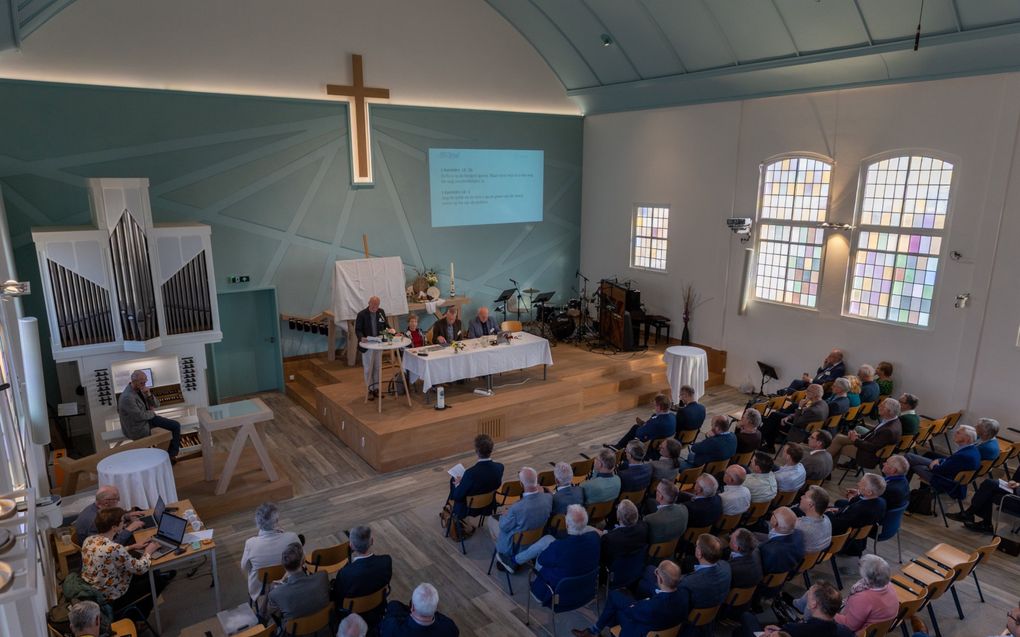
(126, 289)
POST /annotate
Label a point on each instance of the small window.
(794, 201)
(902, 211)
(650, 236)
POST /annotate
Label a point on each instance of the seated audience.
(864, 507)
(636, 618)
(784, 548)
(988, 443)
(839, 402)
(691, 414)
(815, 525)
(736, 498)
(413, 332)
(575, 554)
(486, 475)
(482, 324)
(299, 593)
(447, 329)
(749, 431)
(869, 388)
(265, 548)
(883, 376)
(630, 534)
(816, 459)
(530, 512)
(110, 569)
(791, 475)
(661, 424)
(353, 625)
(704, 506)
(604, 485)
(668, 465)
(910, 422)
(107, 497)
(635, 474)
(897, 489)
(872, 598)
(566, 492)
(940, 473)
(978, 516)
(708, 585)
(831, 369)
(862, 447)
(669, 520)
(761, 482)
(420, 618)
(745, 560)
(364, 574)
(718, 444)
(819, 605)
(83, 617)
(810, 409)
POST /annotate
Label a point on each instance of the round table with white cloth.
(686, 365)
(141, 476)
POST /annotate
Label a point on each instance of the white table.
(141, 476)
(686, 366)
(478, 358)
(241, 415)
(394, 346)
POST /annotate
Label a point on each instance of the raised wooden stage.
(581, 384)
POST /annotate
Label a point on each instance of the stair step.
(313, 377)
(302, 395)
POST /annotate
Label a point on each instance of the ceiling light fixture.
(606, 40)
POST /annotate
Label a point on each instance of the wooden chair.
(520, 540)
(806, 564)
(925, 430)
(934, 585)
(829, 555)
(665, 632)
(863, 411)
(772, 582)
(910, 604)
(310, 624)
(637, 497)
(881, 629)
(688, 436)
(947, 556)
(686, 478)
(124, 628)
(906, 443)
(557, 525)
(817, 482)
(757, 510)
(742, 459)
(702, 617)
(258, 631)
(831, 423)
(365, 603)
(330, 559)
(963, 478)
(881, 455)
(480, 502)
(797, 396)
(509, 492)
(74, 468)
(958, 572)
(716, 468)
(582, 469)
(546, 478)
(941, 427)
(739, 597)
(727, 523)
(852, 414)
(599, 511)
(662, 550)
(784, 499)
(1014, 451)
(1006, 450)
(691, 535)
(511, 326)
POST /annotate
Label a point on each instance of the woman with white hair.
(265, 548)
(872, 599)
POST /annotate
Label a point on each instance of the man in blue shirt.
(636, 618)
(661, 424)
(869, 386)
(720, 444)
(691, 414)
(988, 443)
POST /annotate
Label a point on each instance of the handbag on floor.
(922, 501)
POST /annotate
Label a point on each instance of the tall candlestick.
(452, 292)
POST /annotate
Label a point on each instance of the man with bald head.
(636, 618)
(370, 322)
(137, 410)
(530, 512)
(784, 548)
(482, 324)
(736, 498)
(107, 497)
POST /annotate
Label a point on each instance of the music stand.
(504, 296)
(768, 373)
(543, 298)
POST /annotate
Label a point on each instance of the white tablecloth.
(686, 366)
(444, 365)
(141, 475)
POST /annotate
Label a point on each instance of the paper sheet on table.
(197, 536)
(457, 471)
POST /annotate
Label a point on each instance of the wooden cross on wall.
(356, 96)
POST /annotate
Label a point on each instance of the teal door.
(248, 359)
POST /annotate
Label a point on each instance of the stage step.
(301, 394)
(620, 381)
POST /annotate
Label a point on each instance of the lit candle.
(451, 273)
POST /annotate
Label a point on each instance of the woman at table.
(109, 568)
(414, 332)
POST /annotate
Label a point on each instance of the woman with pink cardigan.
(872, 599)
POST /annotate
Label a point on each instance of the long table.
(478, 358)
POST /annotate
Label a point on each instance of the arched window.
(902, 210)
(794, 200)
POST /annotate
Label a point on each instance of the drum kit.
(569, 322)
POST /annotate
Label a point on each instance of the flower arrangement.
(691, 301)
(389, 334)
(457, 346)
(429, 274)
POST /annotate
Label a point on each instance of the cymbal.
(531, 291)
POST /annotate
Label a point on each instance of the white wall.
(444, 53)
(704, 161)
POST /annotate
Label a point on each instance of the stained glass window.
(903, 211)
(651, 232)
(794, 199)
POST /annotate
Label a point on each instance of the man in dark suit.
(862, 449)
(784, 549)
(661, 424)
(745, 560)
(370, 321)
(635, 474)
(817, 461)
(636, 618)
(749, 431)
(823, 602)
(691, 414)
(421, 618)
(719, 444)
(978, 516)
(575, 554)
(566, 492)
(669, 520)
(812, 408)
(869, 386)
(485, 476)
(482, 324)
(629, 536)
(298, 593)
(864, 507)
(897, 488)
(704, 507)
(832, 368)
(447, 329)
(839, 402)
(708, 585)
(364, 574)
(940, 473)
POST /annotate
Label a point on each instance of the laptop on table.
(169, 534)
(150, 521)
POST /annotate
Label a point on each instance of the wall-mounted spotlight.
(607, 40)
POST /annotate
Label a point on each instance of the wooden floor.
(335, 490)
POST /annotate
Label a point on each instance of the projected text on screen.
(471, 187)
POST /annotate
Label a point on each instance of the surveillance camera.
(739, 225)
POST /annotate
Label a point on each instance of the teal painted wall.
(271, 176)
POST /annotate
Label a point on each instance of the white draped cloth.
(477, 359)
(141, 476)
(686, 366)
(357, 280)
